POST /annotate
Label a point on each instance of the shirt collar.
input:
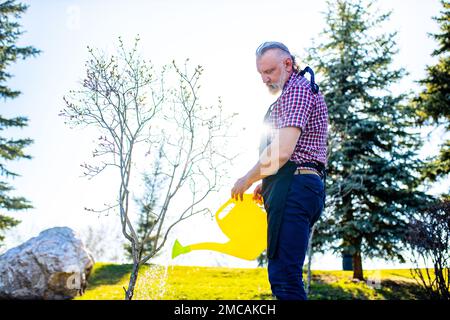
(291, 79)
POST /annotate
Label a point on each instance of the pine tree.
(11, 149)
(372, 153)
(433, 103)
(147, 219)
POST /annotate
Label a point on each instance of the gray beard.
(275, 88)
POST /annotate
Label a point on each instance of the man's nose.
(265, 79)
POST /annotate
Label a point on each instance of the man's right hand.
(257, 194)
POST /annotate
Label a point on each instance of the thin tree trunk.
(357, 266)
(133, 278)
(310, 253)
(348, 239)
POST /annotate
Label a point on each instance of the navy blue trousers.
(304, 204)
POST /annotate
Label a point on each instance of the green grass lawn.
(214, 283)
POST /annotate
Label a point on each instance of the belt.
(305, 171)
(318, 167)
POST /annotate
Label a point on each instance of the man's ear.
(288, 64)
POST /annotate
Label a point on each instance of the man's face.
(274, 69)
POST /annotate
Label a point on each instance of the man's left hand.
(240, 187)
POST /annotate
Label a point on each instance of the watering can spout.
(244, 223)
(179, 249)
(215, 246)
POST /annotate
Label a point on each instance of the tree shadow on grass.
(401, 290)
(108, 274)
(347, 289)
(325, 291)
(388, 290)
(318, 292)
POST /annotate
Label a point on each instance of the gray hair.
(275, 45)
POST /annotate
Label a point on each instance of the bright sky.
(221, 36)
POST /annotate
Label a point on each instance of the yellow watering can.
(244, 223)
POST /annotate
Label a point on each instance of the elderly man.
(292, 164)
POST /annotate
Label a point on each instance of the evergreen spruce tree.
(147, 218)
(372, 163)
(11, 149)
(433, 103)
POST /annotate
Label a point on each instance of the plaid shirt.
(299, 107)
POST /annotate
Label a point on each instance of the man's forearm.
(274, 156)
(269, 163)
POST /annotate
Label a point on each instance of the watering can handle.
(231, 200)
(223, 207)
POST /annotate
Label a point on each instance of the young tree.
(429, 241)
(372, 163)
(11, 149)
(433, 103)
(132, 107)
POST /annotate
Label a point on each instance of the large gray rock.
(53, 265)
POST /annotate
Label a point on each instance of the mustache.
(274, 85)
(274, 88)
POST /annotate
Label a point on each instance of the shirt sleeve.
(295, 108)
